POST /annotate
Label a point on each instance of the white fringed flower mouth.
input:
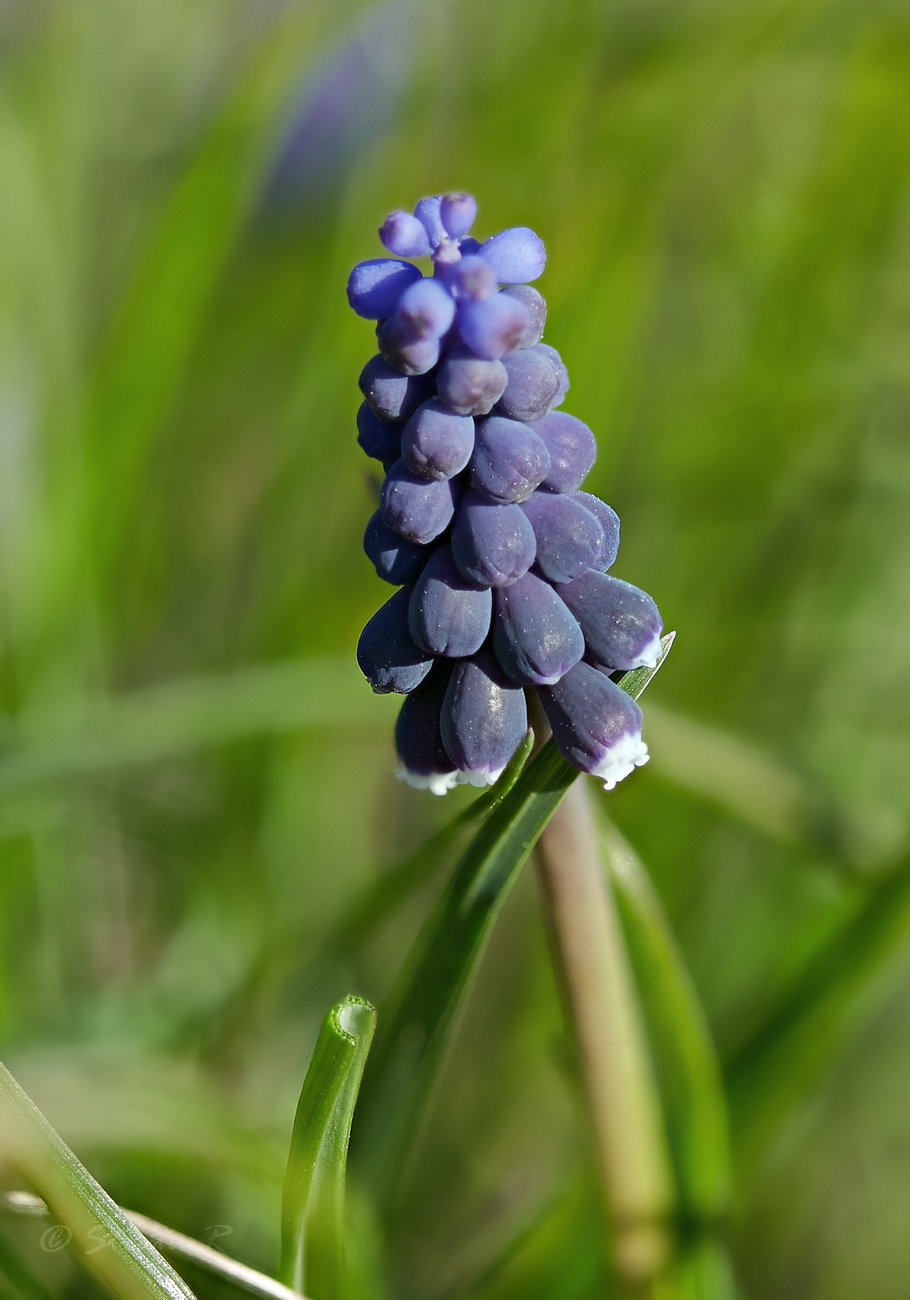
(629, 752)
(651, 654)
(482, 777)
(436, 782)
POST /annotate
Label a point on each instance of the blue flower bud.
(401, 348)
(596, 725)
(447, 615)
(536, 306)
(535, 636)
(492, 327)
(572, 450)
(380, 439)
(395, 559)
(402, 234)
(620, 622)
(484, 719)
(418, 736)
(375, 287)
(457, 211)
(388, 656)
(491, 544)
(426, 309)
(429, 213)
(569, 537)
(418, 508)
(509, 460)
(609, 521)
(391, 394)
(532, 386)
(436, 443)
(562, 372)
(468, 384)
(516, 255)
(471, 279)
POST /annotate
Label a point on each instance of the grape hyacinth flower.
(499, 556)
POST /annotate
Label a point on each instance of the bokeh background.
(195, 783)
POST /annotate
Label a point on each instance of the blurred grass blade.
(777, 1065)
(312, 1209)
(419, 1022)
(128, 1263)
(702, 1271)
(398, 883)
(690, 1079)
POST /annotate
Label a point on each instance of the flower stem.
(602, 1008)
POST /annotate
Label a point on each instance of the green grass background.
(194, 780)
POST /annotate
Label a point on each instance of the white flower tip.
(436, 782)
(629, 752)
(484, 776)
(651, 654)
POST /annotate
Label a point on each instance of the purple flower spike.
(379, 439)
(516, 255)
(418, 508)
(535, 636)
(402, 234)
(621, 623)
(392, 395)
(533, 384)
(492, 545)
(374, 288)
(457, 211)
(429, 213)
(608, 519)
(388, 655)
(484, 719)
(395, 559)
(596, 725)
(569, 537)
(536, 306)
(572, 450)
(436, 443)
(509, 460)
(448, 616)
(492, 327)
(418, 736)
(469, 385)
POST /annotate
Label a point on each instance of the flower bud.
(403, 235)
(620, 622)
(596, 725)
(509, 460)
(491, 544)
(447, 615)
(516, 255)
(388, 655)
(484, 719)
(535, 636)
(418, 508)
(395, 559)
(436, 443)
(572, 450)
(375, 287)
(418, 736)
(569, 537)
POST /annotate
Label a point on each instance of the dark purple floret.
(380, 439)
(620, 622)
(457, 212)
(401, 348)
(569, 537)
(572, 450)
(418, 508)
(484, 718)
(388, 656)
(516, 255)
(536, 306)
(509, 460)
(609, 522)
(436, 443)
(596, 725)
(449, 616)
(492, 327)
(468, 384)
(395, 559)
(492, 544)
(535, 636)
(402, 234)
(418, 735)
(375, 287)
(392, 395)
(532, 385)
